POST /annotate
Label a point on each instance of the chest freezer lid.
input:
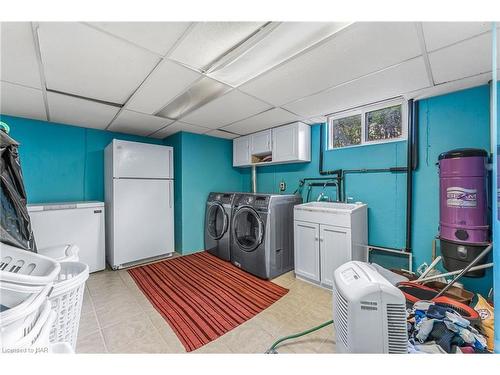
(64, 205)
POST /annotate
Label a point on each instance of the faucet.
(322, 194)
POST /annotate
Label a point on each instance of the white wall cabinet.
(327, 235)
(284, 144)
(241, 151)
(260, 143)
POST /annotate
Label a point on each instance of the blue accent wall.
(61, 162)
(202, 164)
(459, 119)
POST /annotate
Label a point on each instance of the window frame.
(362, 111)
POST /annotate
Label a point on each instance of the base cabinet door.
(307, 250)
(335, 244)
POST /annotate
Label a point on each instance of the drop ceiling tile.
(167, 81)
(138, 123)
(81, 60)
(441, 34)
(179, 126)
(452, 86)
(207, 41)
(388, 83)
(22, 101)
(18, 62)
(226, 109)
(359, 49)
(158, 37)
(461, 60)
(222, 134)
(286, 40)
(265, 120)
(79, 112)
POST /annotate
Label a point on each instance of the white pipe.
(430, 267)
(433, 277)
(254, 179)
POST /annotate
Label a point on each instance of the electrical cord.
(272, 349)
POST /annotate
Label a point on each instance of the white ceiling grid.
(119, 75)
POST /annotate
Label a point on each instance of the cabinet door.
(285, 143)
(335, 249)
(241, 151)
(306, 237)
(260, 143)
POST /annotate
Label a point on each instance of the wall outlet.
(282, 186)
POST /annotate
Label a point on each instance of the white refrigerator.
(139, 194)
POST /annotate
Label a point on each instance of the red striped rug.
(202, 297)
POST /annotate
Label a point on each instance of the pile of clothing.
(433, 328)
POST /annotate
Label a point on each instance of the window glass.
(346, 131)
(385, 123)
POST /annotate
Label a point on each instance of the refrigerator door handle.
(170, 194)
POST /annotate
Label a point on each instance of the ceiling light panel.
(208, 41)
(286, 40)
(22, 101)
(81, 60)
(359, 49)
(461, 60)
(226, 109)
(442, 34)
(18, 61)
(167, 81)
(197, 95)
(179, 126)
(264, 120)
(131, 122)
(389, 83)
(158, 37)
(222, 134)
(79, 112)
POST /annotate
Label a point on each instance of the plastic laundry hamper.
(38, 339)
(23, 314)
(23, 267)
(67, 301)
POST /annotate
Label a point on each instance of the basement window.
(379, 123)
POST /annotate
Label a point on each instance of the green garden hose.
(272, 349)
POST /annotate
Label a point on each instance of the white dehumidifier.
(369, 313)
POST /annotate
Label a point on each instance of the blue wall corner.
(204, 164)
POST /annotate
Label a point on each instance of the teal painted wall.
(459, 119)
(203, 164)
(61, 162)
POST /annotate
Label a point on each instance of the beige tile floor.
(118, 318)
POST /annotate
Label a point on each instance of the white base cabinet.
(326, 239)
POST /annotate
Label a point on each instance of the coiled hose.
(272, 349)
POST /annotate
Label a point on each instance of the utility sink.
(329, 206)
(330, 213)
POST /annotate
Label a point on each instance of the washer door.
(217, 221)
(248, 228)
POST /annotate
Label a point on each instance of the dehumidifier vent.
(397, 334)
(342, 310)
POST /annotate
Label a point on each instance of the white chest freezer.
(79, 223)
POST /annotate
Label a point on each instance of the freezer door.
(143, 219)
(64, 224)
(141, 160)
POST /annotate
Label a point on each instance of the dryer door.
(217, 221)
(248, 228)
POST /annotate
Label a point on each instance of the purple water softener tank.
(463, 207)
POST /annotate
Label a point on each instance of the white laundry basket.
(61, 348)
(27, 268)
(61, 253)
(23, 314)
(67, 301)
